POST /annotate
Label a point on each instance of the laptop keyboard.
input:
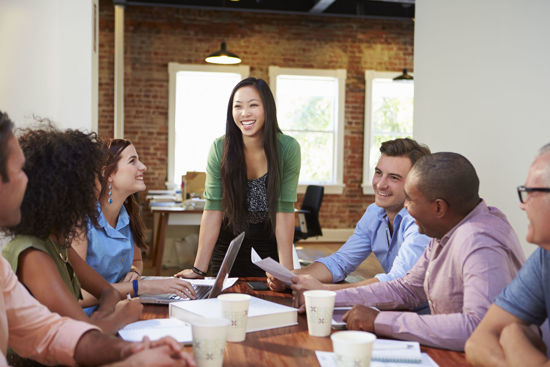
(201, 291)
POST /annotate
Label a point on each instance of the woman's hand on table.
(131, 275)
(189, 274)
(178, 286)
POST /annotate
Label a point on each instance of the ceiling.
(385, 9)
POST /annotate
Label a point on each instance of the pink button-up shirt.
(30, 329)
(459, 275)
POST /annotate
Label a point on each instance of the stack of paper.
(262, 314)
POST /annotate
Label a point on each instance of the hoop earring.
(110, 194)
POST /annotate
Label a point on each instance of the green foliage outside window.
(309, 120)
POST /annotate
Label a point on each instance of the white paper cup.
(352, 348)
(319, 308)
(209, 341)
(235, 309)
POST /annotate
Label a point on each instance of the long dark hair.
(62, 167)
(113, 150)
(233, 167)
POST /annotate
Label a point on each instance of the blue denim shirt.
(110, 250)
(396, 253)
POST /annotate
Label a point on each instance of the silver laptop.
(202, 291)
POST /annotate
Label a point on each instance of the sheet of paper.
(326, 359)
(156, 329)
(272, 267)
(228, 282)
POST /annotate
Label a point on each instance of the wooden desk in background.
(169, 215)
(286, 346)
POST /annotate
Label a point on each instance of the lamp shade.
(405, 77)
(222, 56)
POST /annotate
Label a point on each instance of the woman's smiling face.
(248, 111)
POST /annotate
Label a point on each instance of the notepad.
(156, 329)
(326, 359)
(385, 350)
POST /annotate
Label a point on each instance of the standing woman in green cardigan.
(251, 179)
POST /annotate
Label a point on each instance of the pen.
(392, 347)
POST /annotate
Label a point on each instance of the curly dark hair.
(113, 149)
(62, 167)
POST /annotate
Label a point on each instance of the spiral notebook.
(326, 359)
(385, 350)
(388, 351)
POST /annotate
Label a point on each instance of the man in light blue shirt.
(396, 253)
(386, 229)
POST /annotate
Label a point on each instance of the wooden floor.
(306, 251)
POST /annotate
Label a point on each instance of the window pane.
(201, 110)
(305, 113)
(307, 109)
(391, 115)
(317, 156)
(306, 103)
(392, 106)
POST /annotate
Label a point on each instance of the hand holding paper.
(272, 267)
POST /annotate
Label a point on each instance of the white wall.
(482, 88)
(47, 63)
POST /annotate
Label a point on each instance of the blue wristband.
(135, 285)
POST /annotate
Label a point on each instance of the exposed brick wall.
(156, 36)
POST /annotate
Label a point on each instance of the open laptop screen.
(226, 265)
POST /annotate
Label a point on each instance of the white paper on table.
(228, 282)
(156, 329)
(272, 267)
(327, 359)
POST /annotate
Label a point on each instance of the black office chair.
(308, 215)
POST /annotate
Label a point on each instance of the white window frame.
(336, 187)
(173, 69)
(370, 75)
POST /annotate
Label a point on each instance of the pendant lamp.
(222, 56)
(405, 77)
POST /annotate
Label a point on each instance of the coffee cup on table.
(352, 348)
(209, 337)
(235, 309)
(319, 308)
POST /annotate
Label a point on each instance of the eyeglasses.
(524, 191)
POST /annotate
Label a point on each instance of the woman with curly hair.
(64, 170)
(113, 246)
(252, 175)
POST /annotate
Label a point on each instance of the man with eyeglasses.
(508, 334)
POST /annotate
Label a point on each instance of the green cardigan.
(20, 243)
(289, 165)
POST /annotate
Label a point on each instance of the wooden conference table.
(286, 346)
